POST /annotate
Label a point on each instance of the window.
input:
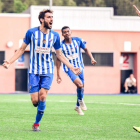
(2, 57)
(54, 57)
(103, 59)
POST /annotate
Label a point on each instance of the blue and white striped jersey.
(41, 61)
(73, 52)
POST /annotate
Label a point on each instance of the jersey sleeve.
(82, 43)
(27, 38)
(57, 44)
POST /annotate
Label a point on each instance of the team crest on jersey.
(50, 39)
(44, 41)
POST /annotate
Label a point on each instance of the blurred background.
(111, 29)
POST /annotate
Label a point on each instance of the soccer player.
(138, 12)
(71, 48)
(41, 67)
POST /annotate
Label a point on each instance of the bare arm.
(63, 59)
(125, 85)
(58, 63)
(18, 53)
(137, 10)
(90, 55)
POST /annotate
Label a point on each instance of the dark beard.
(46, 25)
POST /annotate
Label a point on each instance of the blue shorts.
(73, 76)
(36, 82)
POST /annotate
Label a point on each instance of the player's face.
(48, 20)
(131, 76)
(66, 33)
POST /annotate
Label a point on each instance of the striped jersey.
(41, 61)
(73, 52)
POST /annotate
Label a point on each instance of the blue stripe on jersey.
(67, 49)
(64, 66)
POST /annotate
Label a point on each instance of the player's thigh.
(78, 83)
(34, 97)
(75, 79)
(45, 85)
(33, 83)
(81, 77)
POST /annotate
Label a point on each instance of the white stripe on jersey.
(35, 62)
(31, 56)
(40, 54)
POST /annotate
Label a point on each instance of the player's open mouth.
(50, 23)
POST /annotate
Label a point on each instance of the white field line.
(64, 101)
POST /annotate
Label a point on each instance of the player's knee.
(35, 103)
(42, 97)
(80, 85)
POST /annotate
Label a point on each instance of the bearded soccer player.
(71, 48)
(41, 67)
(138, 12)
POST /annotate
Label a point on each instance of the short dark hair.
(64, 28)
(42, 14)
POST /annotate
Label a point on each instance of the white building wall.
(87, 18)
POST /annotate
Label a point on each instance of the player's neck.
(68, 41)
(44, 30)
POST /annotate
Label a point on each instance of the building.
(113, 40)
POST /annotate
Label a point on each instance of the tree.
(19, 6)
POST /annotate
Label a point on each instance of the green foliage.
(19, 6)
(121, 7)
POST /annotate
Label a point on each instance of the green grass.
(106, 118)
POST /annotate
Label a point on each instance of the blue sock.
(80, 93)
(40, 111)
(77, 104)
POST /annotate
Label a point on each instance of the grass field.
(109, 117)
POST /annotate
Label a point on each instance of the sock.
(80, 93)
(40, 111)
(77, 104)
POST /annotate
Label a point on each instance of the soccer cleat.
(82, 105)
(79, 111)
(136, 128)
(35, 127)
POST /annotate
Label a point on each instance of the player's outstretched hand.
(93, 62)
(137, 11)
(76, 71)
(6, 64)
(59, 80)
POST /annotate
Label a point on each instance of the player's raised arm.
(18, 53)
(63, 59)
(137, 11)
(58, 64)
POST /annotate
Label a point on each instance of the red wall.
(103, 79)
(97, 79)
(11, 29)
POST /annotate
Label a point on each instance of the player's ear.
(42, 20)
